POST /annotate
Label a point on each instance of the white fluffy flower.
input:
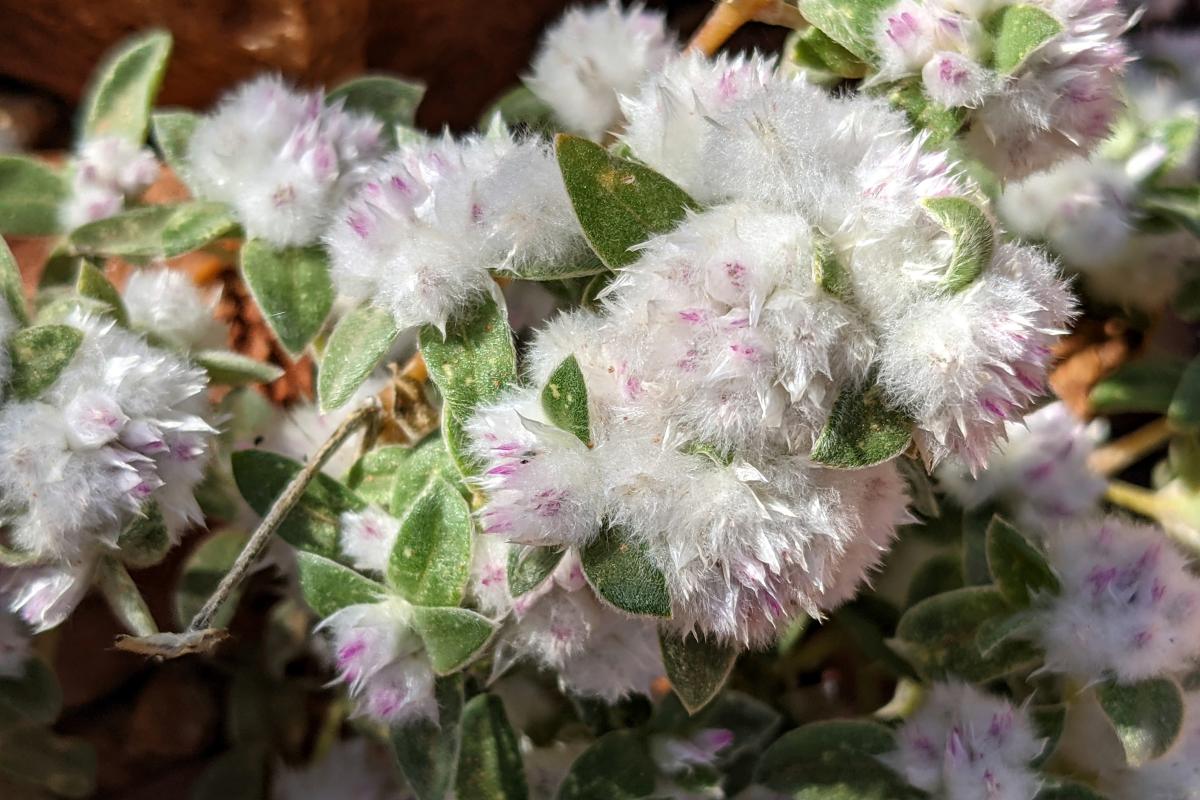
(593, 55)
(422, 233)
(383, 661)
(368, 537)
(1128, 606)
(122, 425)
(962, 744)
(15, 648)
(282, 159)
(107, 171)
(1173, 776)
(45, 595)
(351, 769)
(168, 305)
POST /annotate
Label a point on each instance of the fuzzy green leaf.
(203, 570)
(1017, 32)
(565, 399)
(12, 289)
(920, 487)
(1049, 721)
(828, 271)
(521, 108)
(65, 767)
(863, 430)
(972, 235)
(834, 760)
(1179, 206)
(1145, 385)
(93, 284)
(940, 122)
(1020, 570)
(122, 93)
(30, 196)
(160, 231)
(123, 598)
(582, 264)
(39, 355)
(850, 23)
(529, 567)
(173, 133)
(997, 631)
(475, 360)
(359, 342)
(228, 368)
(33, 697)
(431, 560)
(619, 203)
(1147, 716)
(145, 541)
(697, 667)
(329, 586)
(616, 767)
(622, 575)
(939, 573)
(394, 477)
(292, 288)
(813, 50)
(489, 766)
(427, 750)
(390, 100)
(312, 525)
(1184, 410)
(452, 636)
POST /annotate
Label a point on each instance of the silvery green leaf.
(329, 586)
(622, 575)
(971, 234)
(863, 429)
(453, 637)
(431, 560)
(1017, 32)
(12, 289)
(228, 368)
(849, 23)
(173, 131)
(159, 231)
(489, 764)
(1020, 570)
(696, 665)
(93, 284)
(39, 355)
(427, 751)
(565, 399)
(530, 566)
(390, 100)
(123, 88)
(1147, 716)
(358, 343)
(616, 767)
(292, 288)
(30, 196)
(1143, 385)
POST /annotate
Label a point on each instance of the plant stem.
(123, 597)
(286, 501)
(730, 15)
(1116, 456)
(1135, 498)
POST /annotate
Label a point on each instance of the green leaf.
(828, 271)
(1067, 790)
(123, 598)
(426, 462)
(234, 369)
(854, 737)
(1177, 205)
(616, 767)
(123, 88)
(329, 586)
(427, 750)
(812, 49)
(850, 24)
(1184, 410)
(312, 525)
(622, 575)
(971, 234)
(939, 573)
(520, 107)
(30, 196)
(1147, 716)
(12, 289)
(475, 360)
(940, 122)
(920, 487)
(452, 636)
(619, 203)
(1145, 385)
(173, 133)
(998, 630)
(938, 637)
(529, 567)
(431, 560)
(1020, 569)
(565, 399)
(358, 343)
(1049, 721)
(159, 231)
(39, 355)
(203, 569)
(489, 766)
(974, 546)
(66, 767)
(1017, 32)
(93, 284)
(583, 264)
(862, 430)
(145, 541)
(33, 697)
(697, 666)
(292, 288)
(390, 100)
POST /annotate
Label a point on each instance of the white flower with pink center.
(167, 304)
(106, 172)
(368, 537)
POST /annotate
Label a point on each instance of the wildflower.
(106, 172)
(166, 304)
(368, 536)
(45, 595)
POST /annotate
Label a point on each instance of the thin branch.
(729, 15)
(287, 500)
(1131, 448)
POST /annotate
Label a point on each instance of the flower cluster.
(281, 158)
(1060, 99)
(106, 172)
(1128, 604)
(167, 305)
(593, 55)
(962, 744)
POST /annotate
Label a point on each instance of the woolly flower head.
(107, 171)
(382, 660)
(1040, 474)
(1128, 605)
(121, 426)
(368, 537)
(351, 769)
(421, 234)
(15, 648)
(282, 158)
(963, 744)
(44, 595)
(593, 55)
(1173, 776)
(166, 304)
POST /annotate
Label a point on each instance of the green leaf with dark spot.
(39, 355)
(828, 272)
(452, 636)
(427, 751)
(1144, 385)
(1184, 410)
(292, 288)
(622, 575)
(529, 567)
(971, 234)
(616, 767)
(30, 196)
(312, 525)
(390, 100)
(12, 289)
(92, 283)
(173, 133)
(123, 89)
(1020, 570)
(358, 343)
(489, 766)
(329, 587)
(565, 399)
(619, 203)
(1147, 716)
(228, 368)
(863, 429)
(697, 666)
(850, 24)
(32, 697)
(203, 570)
(159, 231)
(431, 560)
(145, 541)
(1017, 32)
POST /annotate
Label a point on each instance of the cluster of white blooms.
(368, 536)
(1040, 475)
(1173, 776)
(168, 305)
(425, 228)
(1128, 606)
(122, 425)
(1061, 100)
(107, 171)
(963, 744)
(591, 56)
(15, 648)
(351, 769)
(282, 159)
